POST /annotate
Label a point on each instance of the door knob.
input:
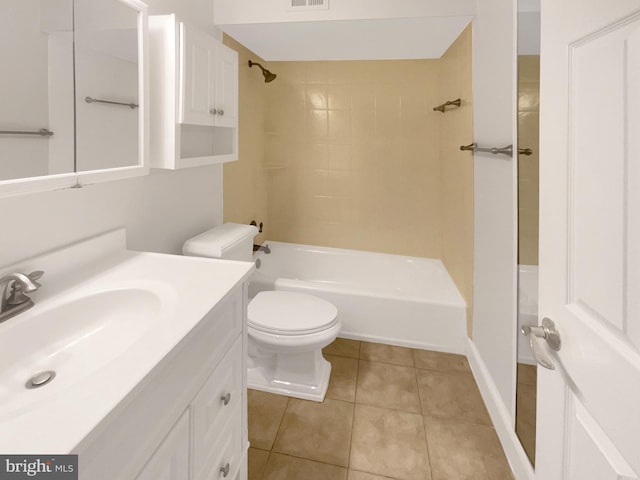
(213, 111)
(548, 332)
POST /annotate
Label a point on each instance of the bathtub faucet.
(263, 248)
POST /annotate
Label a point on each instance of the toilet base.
(303, 375)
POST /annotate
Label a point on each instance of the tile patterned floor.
(390, 413)
(526, 409)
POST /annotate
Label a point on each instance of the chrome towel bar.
(508, 150)
(95, 100)
(43, 132)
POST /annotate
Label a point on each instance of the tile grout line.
(424, 427)
(264, 470)
(279, 426)
(353, 420)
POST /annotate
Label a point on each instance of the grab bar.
(508, 150)
(95, 100)
(441, 108)
(43, 132)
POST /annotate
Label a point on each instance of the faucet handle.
(17, 295)
(33, 276)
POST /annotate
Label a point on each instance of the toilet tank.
(231, 241)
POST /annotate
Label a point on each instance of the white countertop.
(55, 418)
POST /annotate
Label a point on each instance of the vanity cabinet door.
(197, 67)
(171, 459)
(217, 420)
(226, 87)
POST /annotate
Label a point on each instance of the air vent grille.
(300, 5)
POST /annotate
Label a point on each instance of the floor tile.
(526, 418)
(388, 386)
(257, 463)
(443, 362)
(390, 443)
(379, 352)
(344, 374)
(464, 451)
(527, 374)
(284, 467)
(317, 431)
(265, 413)
(451, 395)
(356, 475)
(343, 347)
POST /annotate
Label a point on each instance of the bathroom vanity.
(149, 354)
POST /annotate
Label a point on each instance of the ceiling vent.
(304, 5)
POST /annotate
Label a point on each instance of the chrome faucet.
(263, 248)
(14, 301)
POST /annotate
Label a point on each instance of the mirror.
(107, 85)
(36, 88)
(528, 193)
(73, 110)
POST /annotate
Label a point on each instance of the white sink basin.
(74, 338)
(103, 319)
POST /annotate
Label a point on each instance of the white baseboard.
(522, 469)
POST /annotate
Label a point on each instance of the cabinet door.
(226, 89)
(217, 417)
(197, 77)
(171, 460)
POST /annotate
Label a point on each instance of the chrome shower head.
(268, 76)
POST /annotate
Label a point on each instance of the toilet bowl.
(286, 330)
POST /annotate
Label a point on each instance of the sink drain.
(40, 379)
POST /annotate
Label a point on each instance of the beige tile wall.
(528, 133)
(456, 174)
(353, 155)
(245, 181)
(350, 154)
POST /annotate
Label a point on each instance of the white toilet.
(287, 330)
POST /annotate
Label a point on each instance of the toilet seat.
(290, 313)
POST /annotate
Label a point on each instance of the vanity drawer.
(212, 408)
(223, 459)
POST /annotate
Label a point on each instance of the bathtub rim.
(457, 299)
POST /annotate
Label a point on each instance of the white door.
(589, 406)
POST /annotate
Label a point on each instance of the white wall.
(495, 193)
(492, 352)
(160, 211)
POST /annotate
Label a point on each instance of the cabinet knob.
(225, 470)
(221, 112)
(213, 111)
(226, 398)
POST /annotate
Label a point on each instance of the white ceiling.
(373, 39)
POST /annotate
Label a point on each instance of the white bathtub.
(392, 299)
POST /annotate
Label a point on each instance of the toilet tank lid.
(214, 242)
